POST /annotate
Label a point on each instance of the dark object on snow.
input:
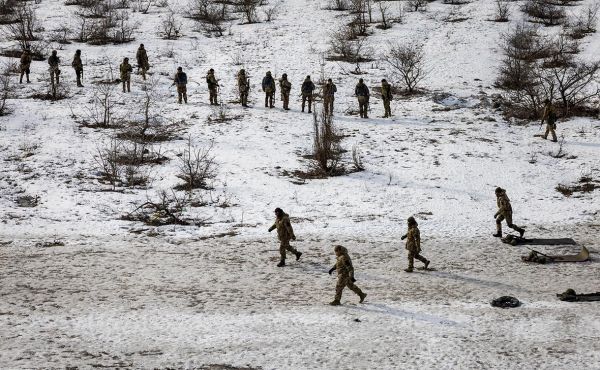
(538, 257)
(517, 240)
(570, 296)
(506, 302)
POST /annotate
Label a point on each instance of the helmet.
(499, 190)
(284, 75)
(268, 73)
(77, 51)
(179, 69)
(360, 80)
(53, 52)
(242, 70)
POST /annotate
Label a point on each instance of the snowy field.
(79, 287)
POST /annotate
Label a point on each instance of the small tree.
(326, 145)
(170, 26)
(502, 10)
(196, 167)
(248, 10)
(6, 89)
(408, 63)
(23, 29)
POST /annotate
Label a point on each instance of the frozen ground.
(122, 294)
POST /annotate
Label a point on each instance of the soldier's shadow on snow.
(485, 283)
(379, 308)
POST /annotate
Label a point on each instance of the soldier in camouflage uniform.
(268, 86)
(285, 233)
(78, 67)
(286, 87)
(25, 65)
(386, 95)
(329, 91)
(413, 244)
(362, 93)
(307, 93)
(142, 61)
(549, 116)
(180, 80)
(125, 70)
(243, 83)
(54, 67)
(213, 86)
(504, 212)
(345, 273)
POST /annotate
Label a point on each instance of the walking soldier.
(243, 87)
(504, 212)
(142, 61)
(54, 64)
(386, 95)
(286, 88)
(345, 273)
(329, 91)
(125, 70)
(180, 81)
(307, 93)
(213, 86)
(268, 86)
(78, 66)
(285, 233)
(362, 93)
(413, 245)
(25, 65)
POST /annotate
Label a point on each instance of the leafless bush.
(340, 5)
(542, 11)
(107, 159)
(585, 22)
(408, 64)
(417, 5)
(167, 209)
(326, 145)
(271, 11)
(143, 6)
(124, 29)
(210, 15)
(122, 163)
(6, 88)
(170, 26)
(575, 83)
(61, 35)
(345, 45)
(525, 42)
(248, 10)
(502, 10)
(24, 27)
(100, 111)
(197, 167)
(384, 13)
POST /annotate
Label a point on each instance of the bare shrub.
(210, 15)
(170, 26)
(124, 29)
(585, 22)
(100, 111)
(345, 45)
(167, 209)
(340, 5)
(143, 6)
(417, 5)
(326, 145)
(574, 83)
(408, 64)
(384, 13)
(271, 11)
(197, 167)
(544, 12)
(502, 10)
(6, 88)
(107, 159)
(24, 27)
(248, 9)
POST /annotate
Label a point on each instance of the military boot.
(410, 269)
(335, 302)
(521, 232)
(427, 264)
(298, 254)
(281, 263)
(498, 234)
(362, 297)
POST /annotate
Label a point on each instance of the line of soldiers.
(307, 90)
(343, 265)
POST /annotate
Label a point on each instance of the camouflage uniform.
(307, 93)
(285, 233)
(329, 91)
(286, 88)
(362, 92)
(345, 273)
(386, 95)
(25, 65)
(549, 116)
(54, 64)
(142, 60)
(78, 66)
(213, 86)
(413, 244)
(504, 212)
(180, 80)
(243, 86)
(125, 70)
(268, 86)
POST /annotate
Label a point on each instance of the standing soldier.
(549, 116)
(286, 88)
(345, 273)
(413, 245)
(142, 61)
(362, 92)
(329, 91)
(25, 65)
(78, 66)
(268, 86)
(213, 86)
(125, 70)
(386, 95)
(307, 93)
(284, 233)
(504, 212)
(243, 87)
(180, 81)
(54, 63)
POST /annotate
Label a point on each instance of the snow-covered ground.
(124, 294)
